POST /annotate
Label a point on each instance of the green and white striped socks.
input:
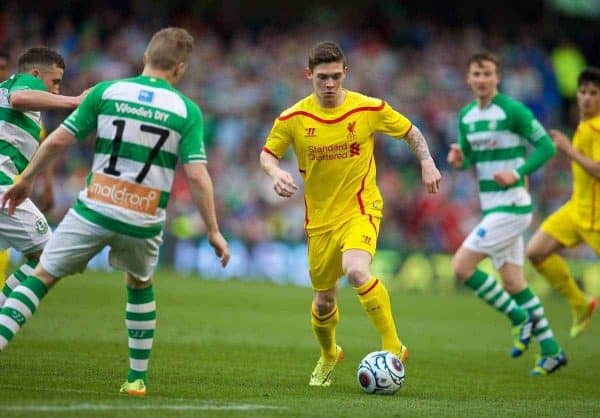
(19, 307)
(488, 289)
(15, 279)
(141, 321)
(541, 328)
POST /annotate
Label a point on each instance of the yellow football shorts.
(325, 250)
(561, 226)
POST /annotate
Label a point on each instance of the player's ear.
(179, 70)
(308, 73)
(145, 58)
(35, 72)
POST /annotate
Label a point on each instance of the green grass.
(225, 347)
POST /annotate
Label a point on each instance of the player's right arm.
(37, 100)
(587, 162)
(275, 147)
(201, 189)
(460, 153)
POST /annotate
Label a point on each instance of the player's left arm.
(530, 128)
(393, 123)
(417, 144)
(48, 152)
(563, 144)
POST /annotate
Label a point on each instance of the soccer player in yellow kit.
(578, 220)
(332, 134)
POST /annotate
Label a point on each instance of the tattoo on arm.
(417, 144)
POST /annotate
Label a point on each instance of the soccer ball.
(380, 372)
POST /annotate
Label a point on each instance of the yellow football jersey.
(585, 200)
(334, 148)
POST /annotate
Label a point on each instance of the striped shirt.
(19, 130)
(495, 139)
(143, 126)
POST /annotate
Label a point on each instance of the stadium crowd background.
(248, 66)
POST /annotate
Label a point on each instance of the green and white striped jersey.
(19, 131)
(494, 138)
(143, 125)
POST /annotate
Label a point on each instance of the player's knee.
(514, 286)
(534, 254)
(33, 256)
(461, 271)
(357, 276)
(324, 305)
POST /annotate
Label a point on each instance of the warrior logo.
(354, 149)
(310, 132)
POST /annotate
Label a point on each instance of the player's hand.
(505, 178)
(283, 183)
(455, 157)
(80, 98)
(218, 242)
(430, 175)
(16, 195)
(562, 142)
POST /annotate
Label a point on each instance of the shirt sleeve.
(530, 128)
(595, 133)
(26, 82)
(391, 122)
(527, 125)
(465, 147)
(191, 146)
(279, 139)
(84, 119)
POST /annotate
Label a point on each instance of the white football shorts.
(26, 230)
(76, 240)
(500, 236)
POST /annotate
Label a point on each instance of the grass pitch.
(245, 348)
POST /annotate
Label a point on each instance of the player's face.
(483, 78)
(4, 69)
(588, 100)
(327, 81)
(52, 77)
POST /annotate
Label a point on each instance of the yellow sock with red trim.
(375, 300)
(324, 328)
(555, 270)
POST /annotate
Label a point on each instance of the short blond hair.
(169, 47)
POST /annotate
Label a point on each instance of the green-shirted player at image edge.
(143, 126)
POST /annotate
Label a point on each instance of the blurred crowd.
(244, 81)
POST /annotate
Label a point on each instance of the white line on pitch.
(107, 407)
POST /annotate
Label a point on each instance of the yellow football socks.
(324, 328)
(4, 260)
(374, 298)
(555, 270)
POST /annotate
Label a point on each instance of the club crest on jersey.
(351, 130)
(146, 96)
(41, 226)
